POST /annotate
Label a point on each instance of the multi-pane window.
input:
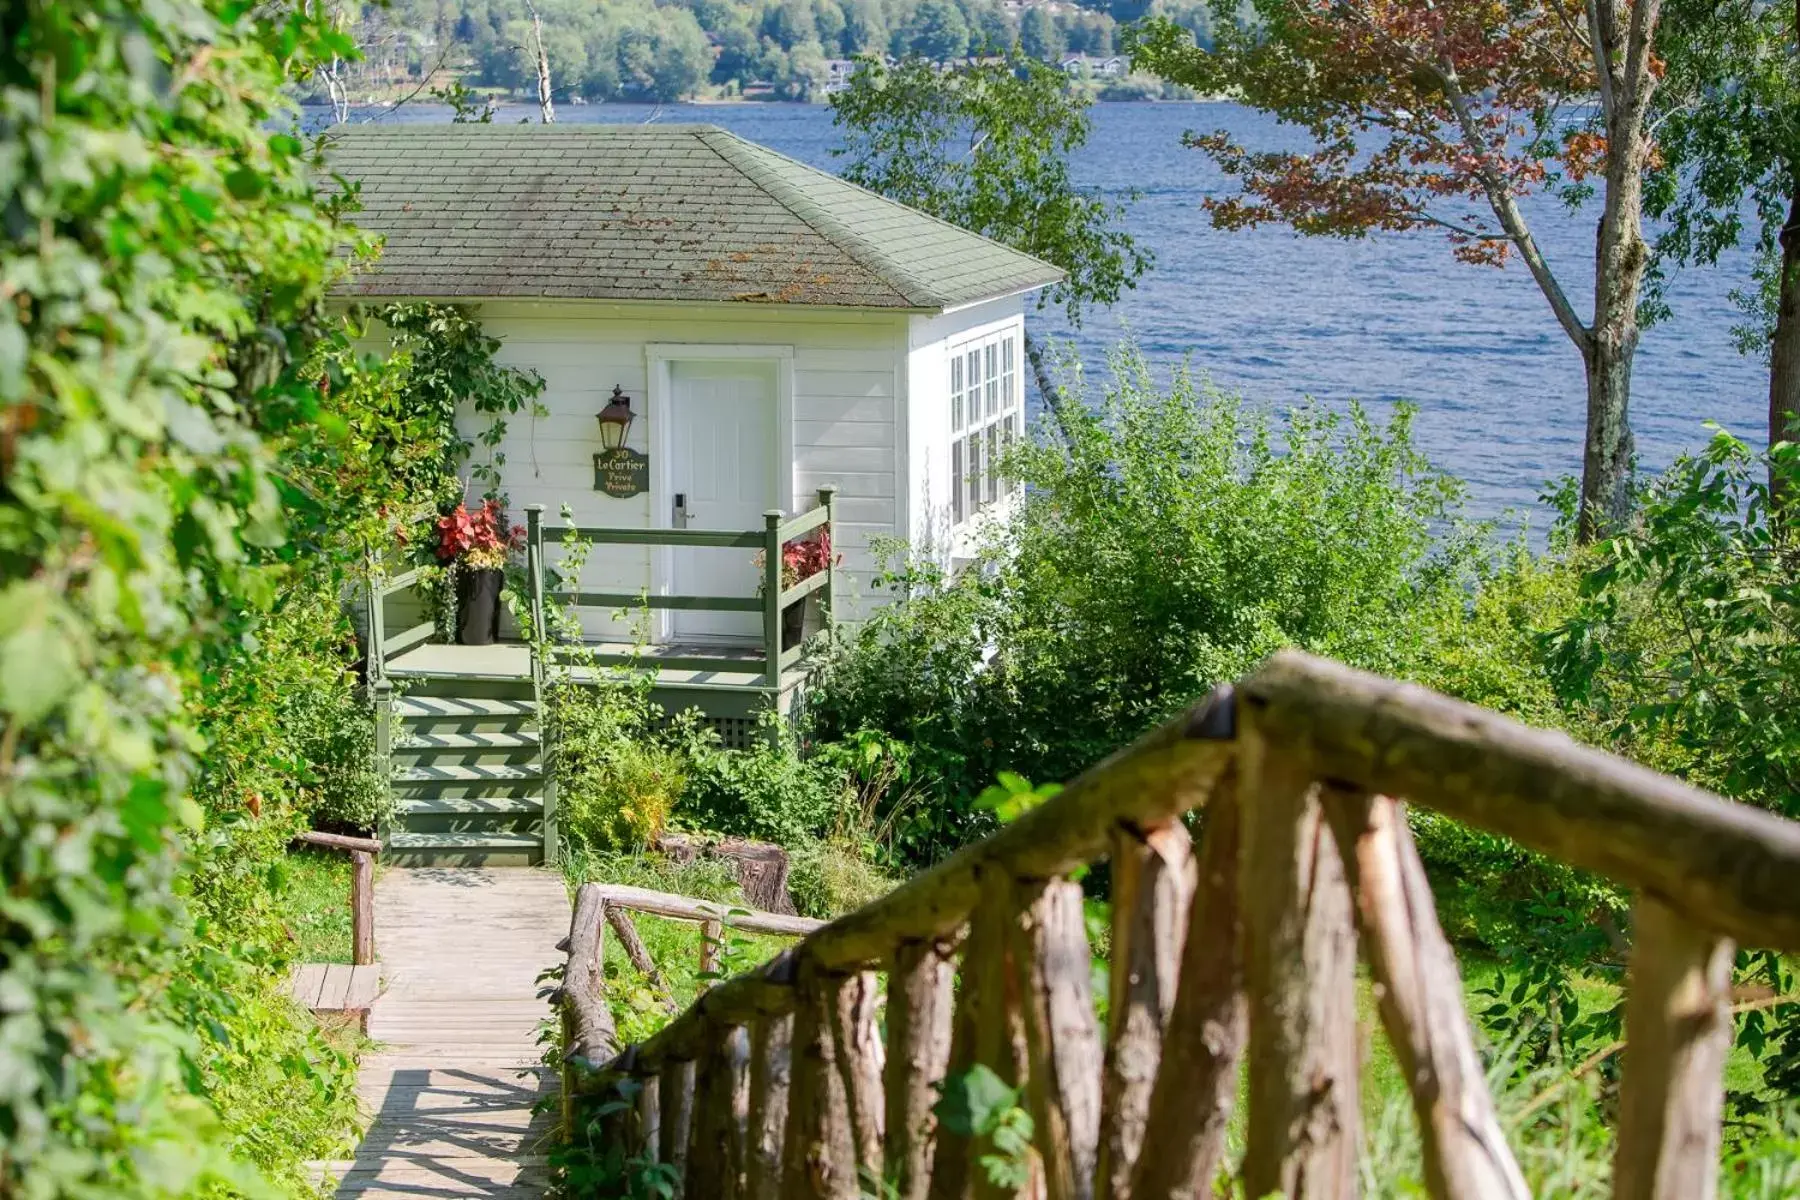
(985, 419)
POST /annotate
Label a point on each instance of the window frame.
(986, 417)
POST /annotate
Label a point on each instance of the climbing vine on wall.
(453, 364)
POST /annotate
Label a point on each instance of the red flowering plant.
(480, 540)
(804, 557)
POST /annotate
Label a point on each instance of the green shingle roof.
(647, 212)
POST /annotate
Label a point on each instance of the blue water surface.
(1381, 320)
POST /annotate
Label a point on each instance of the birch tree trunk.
(1784, 343)
(546, 108)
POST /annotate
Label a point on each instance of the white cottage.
(774, 328)
(775, 331)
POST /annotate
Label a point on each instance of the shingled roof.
(647, 212)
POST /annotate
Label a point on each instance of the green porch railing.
(778, 530)
(380, 649)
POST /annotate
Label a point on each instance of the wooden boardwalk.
(450, 1088)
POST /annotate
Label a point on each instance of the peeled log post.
(857, 1052)
(711, 934)
(1300, 974)
(362, 907)
(1152, 885)
(646, 1121)
(588, 1031)
(1062, 1082)
(1677, 1034)
(675, 1100)
(1196, 1081)
(819, 1146)
(985, 1028)
(770, 1045)
(716, 1154)
(918, 1055)
(626, 929)
(1420, 994)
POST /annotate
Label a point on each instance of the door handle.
(681, 511)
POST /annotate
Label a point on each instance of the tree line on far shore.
(645, 51)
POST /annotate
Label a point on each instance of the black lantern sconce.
(615, 419)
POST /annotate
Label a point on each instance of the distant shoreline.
(709, 102)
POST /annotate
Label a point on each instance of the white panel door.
(722, 433)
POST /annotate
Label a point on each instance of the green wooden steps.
(468, 774)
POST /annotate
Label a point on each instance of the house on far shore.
(769, 331)
(1093, 66)
(837, 74)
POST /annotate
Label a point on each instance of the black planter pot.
(478, 606)
(799, 621)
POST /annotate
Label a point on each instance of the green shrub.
(286, 724)
(166, 266)
(768, 791)
(829, 877)
(616, 786)
(1171, 540)
(1684, 652)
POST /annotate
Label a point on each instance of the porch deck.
(511, 661)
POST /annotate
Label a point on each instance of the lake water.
(1382, 320)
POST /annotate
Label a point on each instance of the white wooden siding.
(846, 394)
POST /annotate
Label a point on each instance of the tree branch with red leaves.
(1444, 115)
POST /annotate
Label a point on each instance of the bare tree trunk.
(335, 89)
(1055, 399)
(1607, 451)
(1784, 345)
(1622, 36)
(546, 109)
(1622, 51)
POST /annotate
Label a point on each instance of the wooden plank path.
(451, 1088)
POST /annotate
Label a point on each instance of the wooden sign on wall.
(623, 473)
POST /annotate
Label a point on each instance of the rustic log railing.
(1242, 959)
(362, 853)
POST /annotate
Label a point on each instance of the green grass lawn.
(316, 905)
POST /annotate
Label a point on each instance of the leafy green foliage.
(1730, 99)
(592, 1163)
(286, 725)
(767, 791)
(166, 268)
(1011, 796)
(449, 361)
(615, 785)
(978, 1104)
(1169, 541)
(1686, 644)
(986, 146)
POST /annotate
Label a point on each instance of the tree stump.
(761, 867)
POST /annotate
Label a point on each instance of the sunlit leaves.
(985, 145)
(165, 261)
(1687, 643)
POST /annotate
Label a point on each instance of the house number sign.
(623, 473)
